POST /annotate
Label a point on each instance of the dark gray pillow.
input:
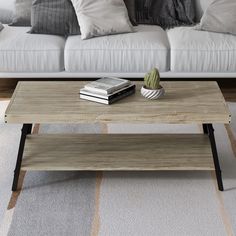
(22, 14)
(165, 13)
(130, 5)
(54, 17)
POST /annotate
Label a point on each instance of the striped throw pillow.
(54, 17)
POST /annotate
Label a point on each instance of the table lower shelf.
(111, 152)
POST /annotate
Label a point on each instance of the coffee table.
(58, 102)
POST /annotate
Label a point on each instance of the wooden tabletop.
(59, 102)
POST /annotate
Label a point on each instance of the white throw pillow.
(1, 26)
(102, 17)
(220, 17)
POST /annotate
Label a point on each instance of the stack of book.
(107, 90)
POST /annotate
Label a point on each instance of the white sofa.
(179, 52)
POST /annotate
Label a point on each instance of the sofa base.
(66, 75)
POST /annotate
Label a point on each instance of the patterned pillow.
(165, 13)
(22, 16)
(54, 17)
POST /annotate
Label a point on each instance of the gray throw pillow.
(1, 26)
(102, 17)
(54, 17)
(166, 13)
(220, 17)
(22, 14)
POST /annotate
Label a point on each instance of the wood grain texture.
(59, 102)
(117, 152)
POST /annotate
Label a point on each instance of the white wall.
(7, 4)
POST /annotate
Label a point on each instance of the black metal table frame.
(207, 129)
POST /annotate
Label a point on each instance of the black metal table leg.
(205, 131)
(26, 129)
(208, 129)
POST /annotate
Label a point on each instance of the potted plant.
(152, 88)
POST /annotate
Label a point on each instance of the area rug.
(9, 137)
(127, 203)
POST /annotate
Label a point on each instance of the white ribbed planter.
(152, 94)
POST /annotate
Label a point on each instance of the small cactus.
(152, 79)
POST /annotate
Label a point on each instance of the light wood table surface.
(59, 102)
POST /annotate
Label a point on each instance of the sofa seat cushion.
(23, 52)
(201, 51)
(136, 52)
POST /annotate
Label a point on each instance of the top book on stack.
(107, 85)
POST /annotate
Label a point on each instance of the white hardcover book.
(107, 85)
(94, 99)
(85, 91)
(111, 99)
